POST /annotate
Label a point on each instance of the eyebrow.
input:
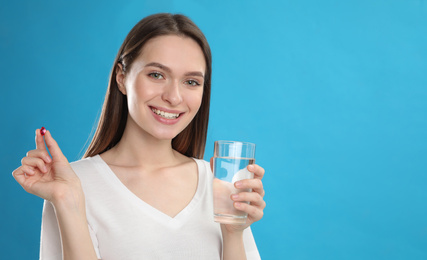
(167, 69)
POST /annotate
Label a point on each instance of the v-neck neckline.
(179, 218)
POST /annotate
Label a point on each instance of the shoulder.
(203, 164)
(92, 174)
(83, 164)
(87, 169)
(204, 168)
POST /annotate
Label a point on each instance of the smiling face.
(164, 86)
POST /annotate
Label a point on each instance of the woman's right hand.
(50, 178)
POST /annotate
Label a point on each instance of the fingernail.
(48, 160)
(238, 184)
(237, 204)
(235, 196)
(251, 167)
(42, 131)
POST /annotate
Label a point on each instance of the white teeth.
(165, 114)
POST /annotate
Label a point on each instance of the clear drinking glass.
(231, 159)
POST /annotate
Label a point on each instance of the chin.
(165, 136)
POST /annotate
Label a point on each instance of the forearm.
(71, 214)
(233, 246)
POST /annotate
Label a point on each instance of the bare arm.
(73, 227)
(233, 247)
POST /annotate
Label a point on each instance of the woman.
(142, 191)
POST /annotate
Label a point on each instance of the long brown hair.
(191, 141)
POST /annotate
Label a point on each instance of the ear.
(120, 78)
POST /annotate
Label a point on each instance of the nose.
(172, 94)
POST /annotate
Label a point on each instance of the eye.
(192, 82)
(156, 75)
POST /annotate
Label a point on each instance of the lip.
(165, 120)
(167, 110)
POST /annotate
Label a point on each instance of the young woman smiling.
(142, 190)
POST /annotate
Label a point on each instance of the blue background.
(334, 94)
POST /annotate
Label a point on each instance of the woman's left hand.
(255, 208)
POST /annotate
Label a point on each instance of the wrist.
(231, 232)
(233, 245)
(69, 198)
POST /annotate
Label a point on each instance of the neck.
(139, 149)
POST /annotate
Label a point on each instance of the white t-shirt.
(122, 226)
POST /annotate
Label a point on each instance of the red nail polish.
(43, 131)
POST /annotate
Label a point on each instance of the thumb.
(53, 147)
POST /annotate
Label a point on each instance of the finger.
(54, 149)
(252, 197)
(34, 162)
(42, 154)
(39, 141)
(254, 212)
(19, 175)
(257, 170)
(28, 169)
(254, 184)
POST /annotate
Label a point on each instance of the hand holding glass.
(231, 159)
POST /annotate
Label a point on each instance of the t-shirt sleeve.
(50, 239)
(250, 246)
